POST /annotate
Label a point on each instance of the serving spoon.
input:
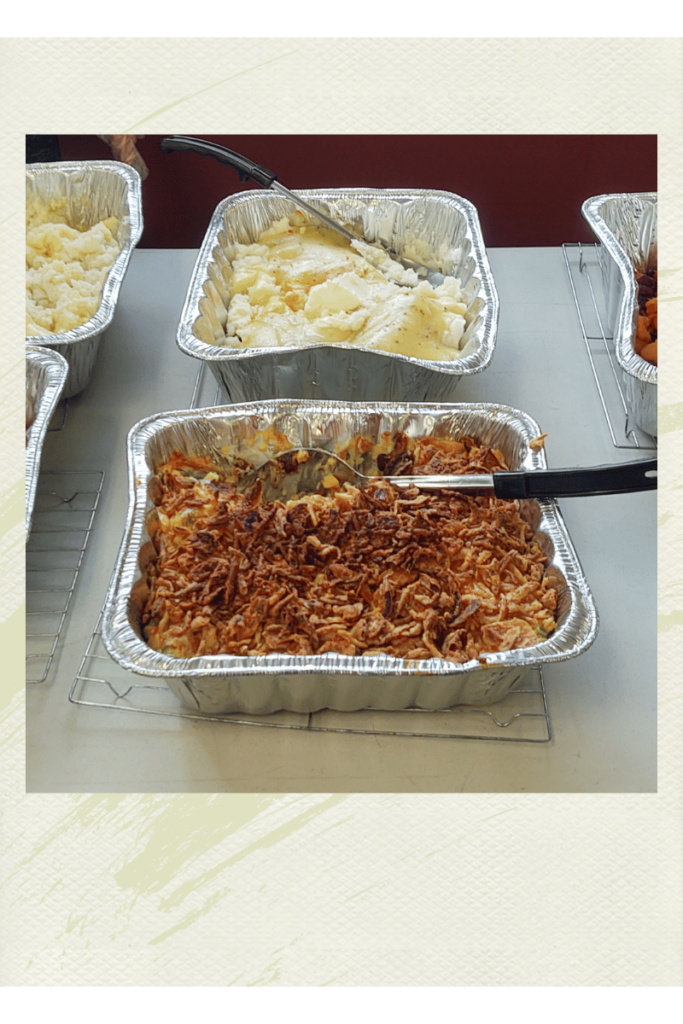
(248, 169)
(315, 470)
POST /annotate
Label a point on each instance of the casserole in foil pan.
(625, 224)
(93, 190)
(444, 226)
(46, 374)
(220, 684)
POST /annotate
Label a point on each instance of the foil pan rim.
(628, 359)
(470, 364)
(105, 313)
(56, 370)
(128, 650)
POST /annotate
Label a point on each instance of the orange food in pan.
(645, 342)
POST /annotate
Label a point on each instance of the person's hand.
(123, 148)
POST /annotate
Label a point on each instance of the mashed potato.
(65, 271)
(303, 284)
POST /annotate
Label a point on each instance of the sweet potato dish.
(646, 330)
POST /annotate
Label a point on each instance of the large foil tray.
(625, 224)
(94, 190)
(440, 220)
(260, 685)
(46, 374)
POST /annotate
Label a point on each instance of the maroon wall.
(528, 189)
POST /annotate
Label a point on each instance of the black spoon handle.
(246, 168)
(566, 483)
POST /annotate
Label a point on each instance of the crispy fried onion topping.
(369, 571)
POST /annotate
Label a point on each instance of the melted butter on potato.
(301, 284)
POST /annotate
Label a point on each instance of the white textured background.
(346, 890)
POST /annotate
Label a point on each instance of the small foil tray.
(46, 374)
(625, 224)
(94, 190)
(442, 222)
(225, 684)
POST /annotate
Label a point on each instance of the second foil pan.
(93, 190)
(626, 227)
(46, 375)
(441, 223)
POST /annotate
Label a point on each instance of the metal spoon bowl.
(315, 470)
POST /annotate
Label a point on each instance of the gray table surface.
(602, 704)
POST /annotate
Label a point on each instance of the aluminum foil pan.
(626, 227)
(46, 374)
(440, 220)
(94, 190)
(260, 685)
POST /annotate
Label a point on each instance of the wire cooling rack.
(64, 510)
(521, 716)
(585, 277)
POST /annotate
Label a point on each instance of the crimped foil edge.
(46, 374)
